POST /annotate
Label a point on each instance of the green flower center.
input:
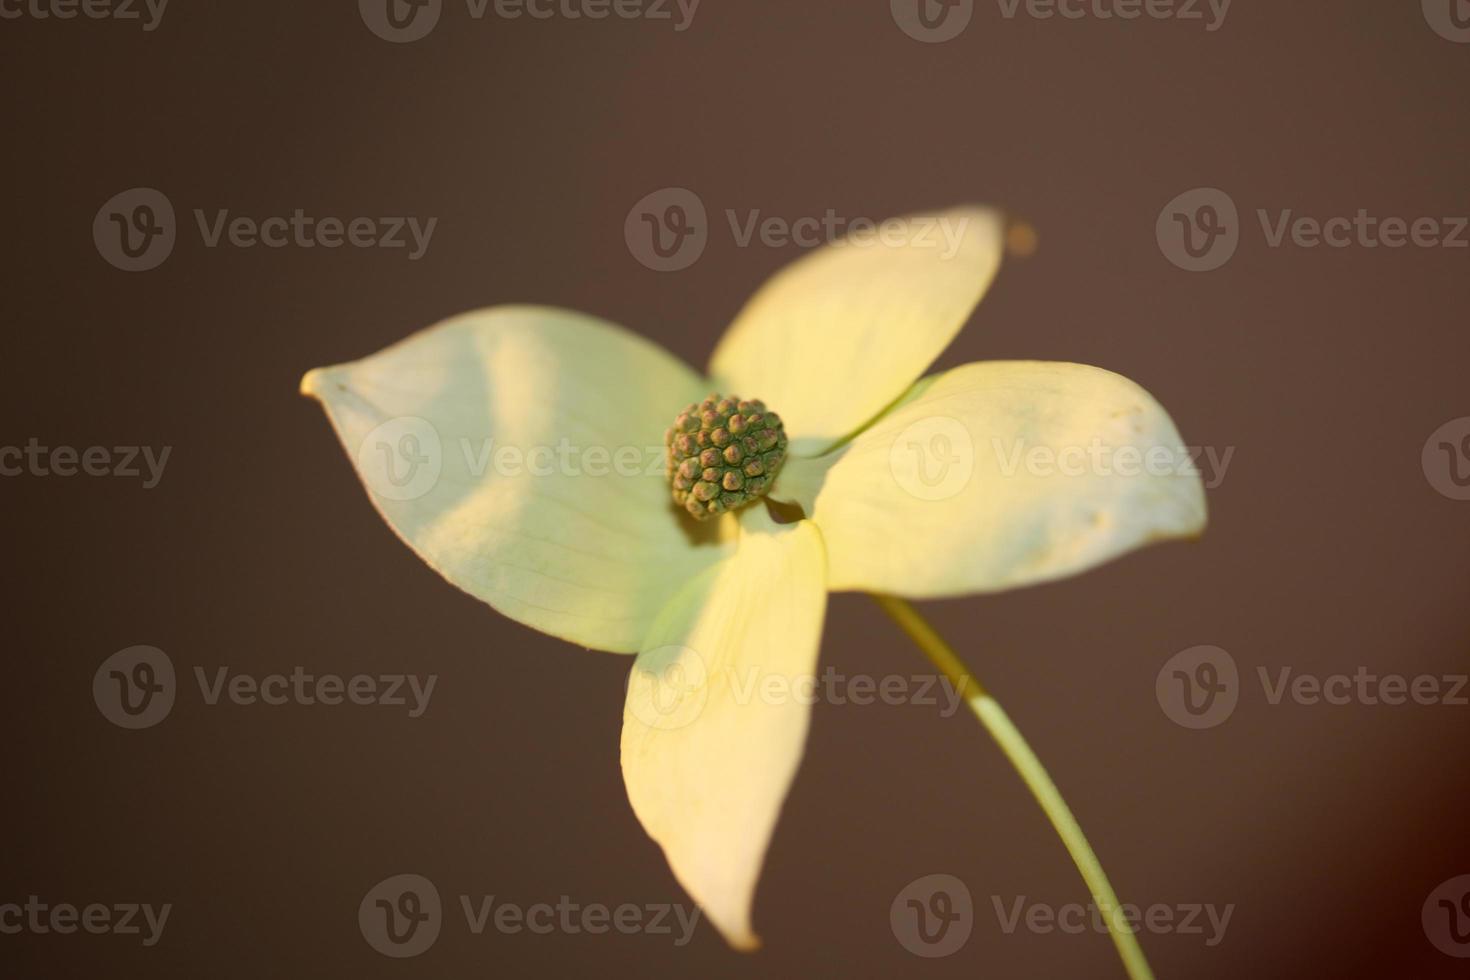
(724, 452)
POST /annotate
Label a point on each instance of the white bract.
(897, 492)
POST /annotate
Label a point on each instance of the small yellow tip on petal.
(313, 381)
(1021, 239)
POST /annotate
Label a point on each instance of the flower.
(986, 477)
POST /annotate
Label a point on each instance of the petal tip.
(317, 382)
(733, 925)
(1199, 512)
(311, 382)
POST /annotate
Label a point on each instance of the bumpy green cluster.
(723, 453)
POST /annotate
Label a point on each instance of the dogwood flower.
(521, 452)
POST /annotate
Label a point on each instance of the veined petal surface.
(519, 451)
(717, 711)
(996, 475)
(831, 340)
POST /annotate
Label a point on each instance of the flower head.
(518, 450)
(723, 453)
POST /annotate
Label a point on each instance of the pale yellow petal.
(717, 710)
(836, 336)
(519, 451)
(997, 475)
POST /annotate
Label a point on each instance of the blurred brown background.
(1326, 369)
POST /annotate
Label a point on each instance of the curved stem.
(1011, 742)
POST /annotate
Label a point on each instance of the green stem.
(1011, 742)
